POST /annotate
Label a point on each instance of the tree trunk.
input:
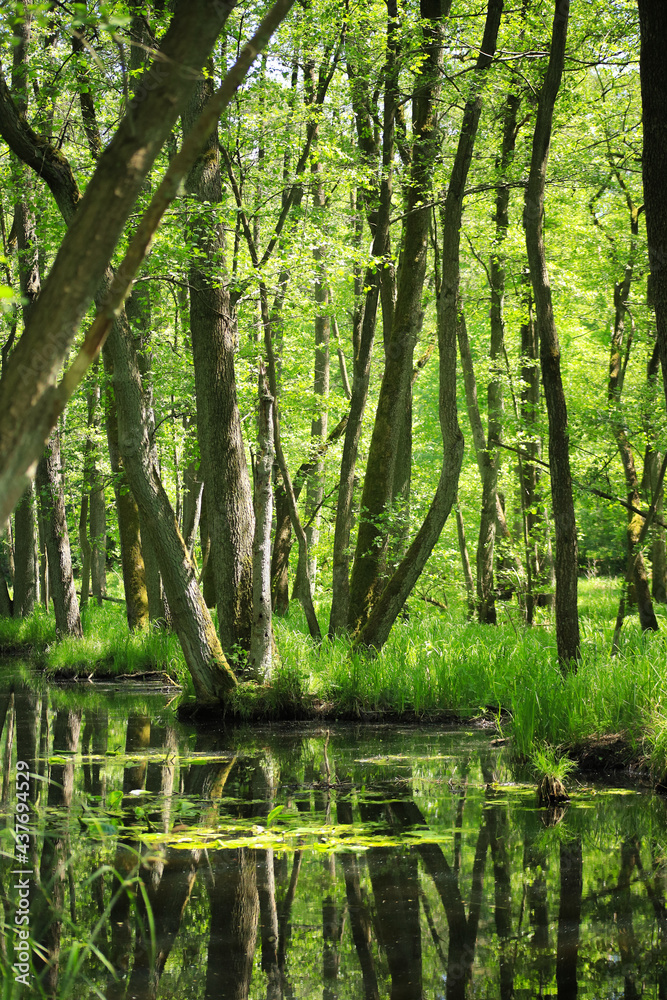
(371, 548)
(653, 73)
(25, 554)
(211, 674)
(95, 225)
(207, 575)
(374, 634)
(261, 640)
(319, 423)
(567, 618)
(52, 504)
(282, 546)
(224, 468)
(98, 534)
(465, 562)
(84, 541)
(131, 555)
(487, 528)
(193, 488)
(619, 350)
(659, 540)
(365, 314)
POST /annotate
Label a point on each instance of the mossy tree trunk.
(211, 674)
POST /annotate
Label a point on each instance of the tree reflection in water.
(351, 863)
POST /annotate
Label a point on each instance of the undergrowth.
(433, 664)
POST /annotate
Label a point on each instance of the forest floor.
(611, 713)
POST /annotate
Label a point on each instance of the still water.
(297, 862)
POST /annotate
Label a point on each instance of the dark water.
(353, 862)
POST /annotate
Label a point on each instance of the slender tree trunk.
(619, 349)
(84, 541)
(374, 634)
(225, 471)
(193, 488)
(371, 548)
(261, 640)
(52, 504)
(653, 74)
(365, 314)
(26, 577)
(207, 575)
(567, 618)
(465, 563)
(491, 462)
(658, 541)
(318, 428)
(98, 533)
(282, 546)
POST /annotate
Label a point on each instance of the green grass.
(434, 664)
(107, 646)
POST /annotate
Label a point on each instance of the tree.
(567, 618)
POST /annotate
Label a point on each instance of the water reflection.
(370, 862)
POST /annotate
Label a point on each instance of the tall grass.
(107, 646)
(434, 663)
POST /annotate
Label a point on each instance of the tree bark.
(371, 547)
(365, 314)
(98, 533)
(465, 563)
(52, 504)
(636, 565)
(653, 74)
(282, 546)
(224, 468)
(25, 548)
(376, 630)
(96, 222)
(261, 640)
(211, 674)
(131, 555)
(491, 459)
(319, 423)
(567, 618)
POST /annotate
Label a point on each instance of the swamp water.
(297, 862)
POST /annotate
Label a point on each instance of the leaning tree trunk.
(211, 674)
(52, 504)
(224, 467)
(567, 617)
(95, 221)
